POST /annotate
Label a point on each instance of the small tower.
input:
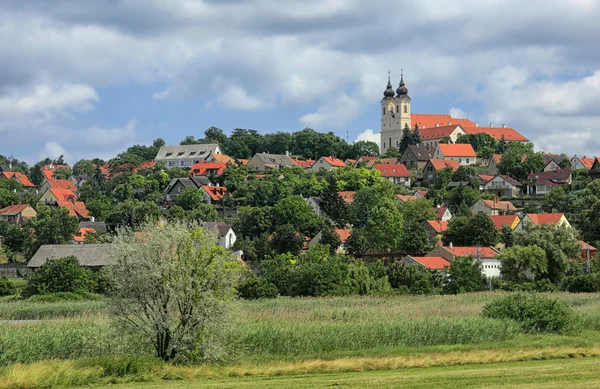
(395, 114)
(403, 102)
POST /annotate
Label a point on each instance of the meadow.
(75, 343)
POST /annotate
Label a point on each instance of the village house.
(398, 174)
(493, 207)
(429, 263)
(595, 169)
(343, 233)
(587, 250)
(65, 198)
(434, 166)
(261, 162)
(463, 153)
(306, 163)
(178, 184)
(226, 235)
(185, 156)
(431, 137)
(315, 204)
(406, 198)
(420, 193)
(416, 157)
(582, 163)
(487, 256)
(541, 219)
(364, 161)
(19, 177)
(17, 213)
(498, 133)
(79, 237)
(505, 220)
(221, 158)
(58, 184)
(483, 179)
(91, 256)
(543, 182)
(208, 169)
(327, 163)
(435, 230)
(503, 186)
(493, 164)
(442, 213)
(214, 194)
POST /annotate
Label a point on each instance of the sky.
(90, 78)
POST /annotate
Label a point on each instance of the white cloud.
(46, 98)
(53, 150)
(458, 113)
(237, 98)
(368, 135)
(336, 113)
(103, 137)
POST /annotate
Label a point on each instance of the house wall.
(447, 215)
(47, 198)
(321, 164)
(481, 207)
(174, 192)
(256, 164)
(499, 186)
(314, 204)
(228, 240)
(492, 167)
(404, 181)
(429, 174)
(463, 161)
(551, 166)
(411, 162)
(440, 251)
(526, 221)
(490, 267)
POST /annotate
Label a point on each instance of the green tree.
(60, 275)
(364, 147)
(54, 225)
(406, 139)
(523, 264)
(278, 143)
(62, 174)
(333, 205)
(189, 198)
(414, 279)
(502, 145)
(253, 221)
(416, 136)
(214, 135)
(84, 168)
(287, 240)
(6, 287)
(295, 211)
(35, 174)
(477, 230)
(565, 163)
(132, 213)
(331, 238)
(506, 234)
(175, 287)
(446, 140)
(189, 140)
(465, 276)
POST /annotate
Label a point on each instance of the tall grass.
(34, 310)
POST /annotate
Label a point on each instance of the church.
(395, 115)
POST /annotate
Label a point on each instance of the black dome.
(389, 92)
(402, 89)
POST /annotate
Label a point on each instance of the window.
(384, 145)
(467, 160)
(168, 154)
(384, 110)
(460, 160)
(390, 141)
(192, 153)
(405, 108)
(397, 108)
(179, 154)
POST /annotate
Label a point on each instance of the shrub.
(465, 276)
(60, 275)
(254, 287)
(6, 287)
(413, 279)
(368, 280)
(534, 312)
(584, 283)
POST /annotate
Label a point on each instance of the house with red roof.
(65, 198)
(305, 163)
(428, 120)
(214, 157)
(79, 237)
(327, 163)
(442, 213)
(406, 198)
(582, 163)
(54, 166)
(509, 134)
(587, 248)
(430, 263)
(505, 220)
(57, 184)
(213, 194)
(503, 186)
(397, 173)
(463, 153)
(435, 230)
(20, 177)
(208, 169)
(493, 207)
(420, 193)
(492, 164)
(543, 182)
(364, 161)
(434, 166)
(431, 137)
(541, 219)
(487, 256)
(17, 213)
(347, 196)
(343, 233)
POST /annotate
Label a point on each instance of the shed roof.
(88, 255)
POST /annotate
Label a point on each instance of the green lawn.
(563, 373)
(18, 282)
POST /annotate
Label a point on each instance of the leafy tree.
(465, 276)
(132, 213)
(523, 264)
(293, 210)
(278, 143)
(478, 141)
(189, 140)
(60, 275)
(84, 168)
(35, 174)
(7, 197)
(331, 238)
(416, 136)
(54, 225)
(333, 205)
(364, 147)
(62, 174)
(477, 230)
(414, 279)
(287, 240)
(244, 143)
(253, 221)
(357, 243)
(392, 152)
(368, 280)
(6, 287)
(414, 238)
(502, 145)
(506, 234)
(125, 163)
(214, 135)
(446, 140)
(254, 287)
(175, 287)
(60, 160)
(203, 213)
(384, 228)
(189, 198)
(565, 163)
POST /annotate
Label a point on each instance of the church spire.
(402, 89)
(389, 92)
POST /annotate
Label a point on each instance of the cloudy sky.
(89, 78)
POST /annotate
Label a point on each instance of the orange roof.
(303, 163)
(392, 170)
(76, 208)
(62, 184)
(432, 262)
(351, 161)
(335, 162)
(243, 161)
(486, 178)
(222, 158)
(348, 197)
(62, 194)
(80, 236)
(216, 192)
(457, 150)
(13, 209)
(145, 166)
(439, 164)
(497, 158)
(503, 220)
(430, 120)
(436, 132)
(500, 205)
(422, 193)
(585, 246)
(484, 252)
(49, 174)
(587, 162)
(22, 178)
(545, 218)
(344, 233)
(497, 133)
(405, 198)
(204, 168)
(368, 158)
(438, 226)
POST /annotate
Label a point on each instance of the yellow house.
(17, 213)
(539, 219)
(505, 220)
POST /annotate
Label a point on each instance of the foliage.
(534, 313)
(6, 287)
(54, 225)
(476, 230)
(363, 147)
(60, 275)
(479, 141)
(294, 210)
(523, 264)
(369, 280)
(582, 283)
(332, 203)
(519, 160)
(254, 287)
(465, 276)
(189, 198)
(174, 285)
(330, 237)
(287, 239)
(414, 279)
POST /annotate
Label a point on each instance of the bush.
(254, 287)
(534, 312)
(465, 276)
(413, 279)
(60, 275)
(6, 287)
(585, 283)
(368, 280)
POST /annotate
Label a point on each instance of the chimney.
(476, 124)
(450, 246)
(92, 219)
(491, 125)
(436, 125)
(449, 123)
(503, 125)
(287, 153)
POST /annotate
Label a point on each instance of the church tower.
(395, 114)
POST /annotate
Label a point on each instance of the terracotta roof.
(76, 208)
(80, 236)
(509, 134)
(457, 150)
(432, 262)
(422, 193)
(497, 158)
(430, 120)
(484, 252)
(438, 226)
(344, 233)
(202, 168)
(545, 218)
(145, 166)
(22, 178)
(350, 161)
(367, 158)
(584, 246)
(222, 158)
(440, 211)
(440, 164)
(335, 162)
(62, 184)
(14, 209)
(62, 194)
(392, 170)
(502, 220)
(49, 174)
(304, 163)
(587, 162)
(215, 192)
(434, 133)
(348, 197)
(486, 178)
(242, 161)
(405, 198)
(500, 205)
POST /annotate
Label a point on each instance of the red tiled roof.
(430, 120)
(457, 150)
(145, 166)
(422, 193)
(484, 252)
(344, 233)
(500, 205)
(405, 198)
(497, 158)
(335, 162)
(486, 178)
(14, 209)
(368, 158)
(62, 194)
(303, 163)
(392, 170)
(202, 168)
(49, 174)
(434, 133)
(68, 201)
(62, 184)
(22, 178)
(545, 218)
(584, 246)
(587, 162)
(439, 164)
(439, 212)
(350, 161)
(438, 226)
(243, 161)
(348, 197)
(509, 134)
(502, 220)
(222, 158)
(432, 262)
(216, 192)
(80, 236)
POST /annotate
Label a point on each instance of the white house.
(462, 153)
(503, 186)
(397, 173)
(487, 256)
(493, 207)
(227, 236)
(431, 137)
(185, 155)
(327, 163)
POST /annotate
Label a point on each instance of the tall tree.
(477, 230)
(406, 139)
(333, 205)
(416, 136)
